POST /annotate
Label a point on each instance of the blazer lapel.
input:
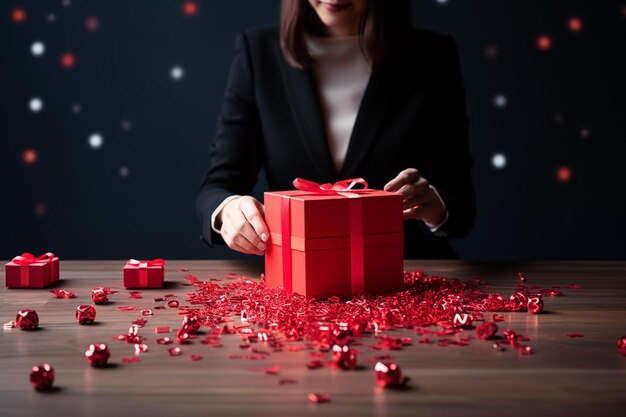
(308, 115)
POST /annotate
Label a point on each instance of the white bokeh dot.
(52, 17)
(500, 101)
(177, 73)
(37, 48)
(35, 104)
(124, 172)
(126, 125)
(95, 140)
(498, 160)
(76, 108)
(441, 1)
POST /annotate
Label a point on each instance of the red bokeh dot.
(29, 156)
(575, 24)
(40, 210)
(491, 51)
(190, 8)
(544, 42)
(18, 15)
(68, 60)
(622, 11)
(564, 174)
(92, 24)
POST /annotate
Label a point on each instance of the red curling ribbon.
(344, 188)
(143, 268)
(25, 260)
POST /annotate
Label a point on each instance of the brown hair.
(381, 22)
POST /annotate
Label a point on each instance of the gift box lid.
(315, 216)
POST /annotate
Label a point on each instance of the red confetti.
(172, 303)
(574, 335)
(140, 322)
(97, 354)
(573, 287)
(42, 377)
(344, 357)
(146, 312)
(195, 357)
(162, 329)
(192, 324)
(183, 269)
(463, 320)
(27, 320)
(388, 375)
(18, 15)
(621, 345)
(315, 364)
(99, 295)
(535, 305)
(135, 294)
(287, 381)
(63, 294)
(164, 341)
(318, 397)
(68, 60)
(521, 277)
(175, 351)
(85, 314)
(486, 330)
(274, 370)
(497, 318)
(140, 348)
(131, 360)
(127, 308)
(183, 335)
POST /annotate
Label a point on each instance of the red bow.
(29, 259)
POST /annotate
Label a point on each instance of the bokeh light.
(68, 60)
(96, 140)
(30, 156)
(18, 15)
(37, 48)
(35, 104)
(190, 8)
(498, 160)
(575, 24)
(564, 174)
(92, 24)
(544, 42)
(500, 101)
(177, 73)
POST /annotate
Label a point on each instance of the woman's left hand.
(420, 199)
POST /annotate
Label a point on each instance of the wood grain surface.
(569, 376)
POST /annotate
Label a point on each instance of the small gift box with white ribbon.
(26, 271)
(144, 274)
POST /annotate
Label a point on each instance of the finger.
(251, 210)
(409, 213)
(245, 229)
(239, 243)
(424, 196)
(411, 190)
(407, 176)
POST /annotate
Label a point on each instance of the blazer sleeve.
(452, 174)
(236, 153)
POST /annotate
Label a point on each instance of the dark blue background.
(73, 200)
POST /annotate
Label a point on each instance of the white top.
(341, 75)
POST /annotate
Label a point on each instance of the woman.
(343, 89)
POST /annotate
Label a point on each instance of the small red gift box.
(144, 274)
(26, 271)
(333, 240)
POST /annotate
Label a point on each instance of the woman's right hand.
(243, 225)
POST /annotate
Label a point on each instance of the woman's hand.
(420, 199)
(243, 225)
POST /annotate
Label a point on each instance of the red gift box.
(26, 271)
(144, 274)
(333, 240)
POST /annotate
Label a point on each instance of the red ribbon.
(143, 268)
(25, 260)
(344, 188)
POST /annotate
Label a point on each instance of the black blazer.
(412, 115)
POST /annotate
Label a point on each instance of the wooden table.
(569, 376)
